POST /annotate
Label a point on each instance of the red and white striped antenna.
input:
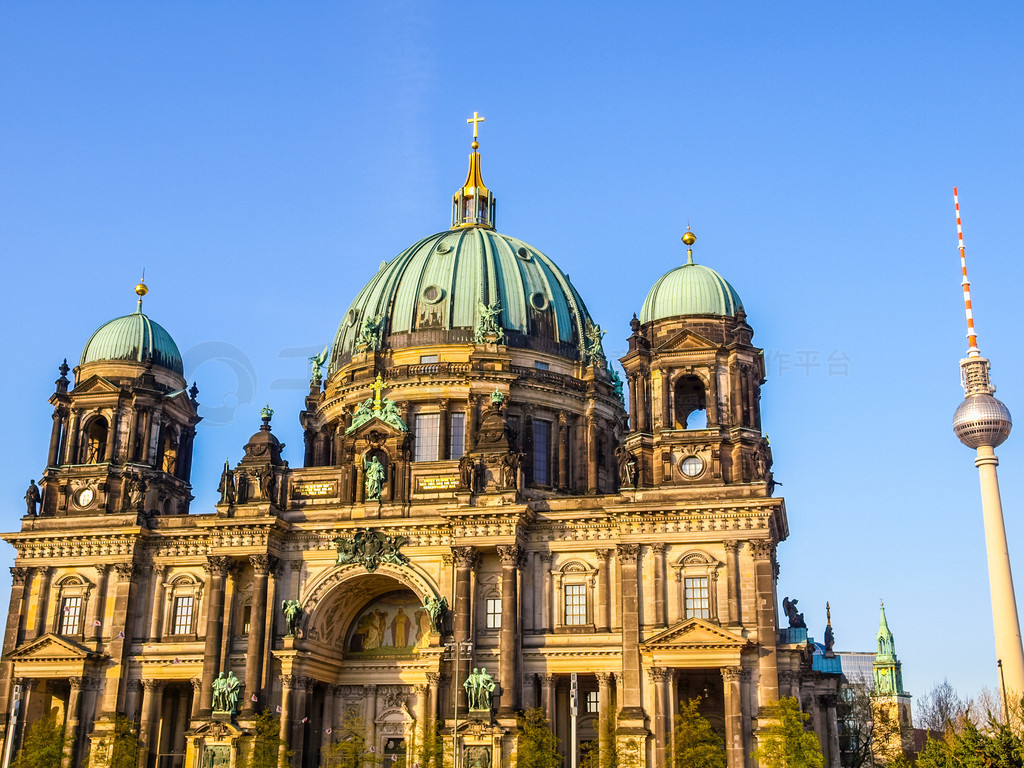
(972, 336)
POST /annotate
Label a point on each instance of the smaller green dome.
(133, 337)
(691, 289)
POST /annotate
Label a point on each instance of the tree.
(43, 746)
(432, 751)
(694, 742)
(591, 755)
(350, 749)
(264, 750)
(940, 708)
(784, 741)
(538, 746)
(126, 744)
(995, 746)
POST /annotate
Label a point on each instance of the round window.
(433, 294)
(351, 317)
(691, 466)
(523, 254)
(443, 247)
(539, 301)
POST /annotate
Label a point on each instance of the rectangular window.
(591, 702)
(698, 598)
(428, 359)
(541, 452)
(70, 615)
(575, 604)
(182, 618)
(540, 366)
(426, 436)
(494, 613)
(457, 435)
(246, 619)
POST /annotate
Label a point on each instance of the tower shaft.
(1004, 604)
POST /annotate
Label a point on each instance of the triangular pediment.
(96, 385)
(694, 633)
(375, 424)
(51, 648)
(687, 341)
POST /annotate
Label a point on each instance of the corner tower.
(695, 386)
(890, 703)
(122, 436)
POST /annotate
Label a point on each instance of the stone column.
(370, 716)
(149, 728)
(634, 425)
(732, 571)
(546, 618)
(72, 717)
(711, 397)
(828, 703)
(605, 738)
(300, 709)
(43, 599)
(547, 696)
(433, 681)
(442, 429)
(52, 456)
(197, 687)
(156, 610)
(227, 625)
(108, 451)
(97, 608)
(668, 417)
(591, 454)
(20, 580)
(763, 552)
(511, 562)
(261, 565)
(659, 677)
(145, 433)
(327, 722)
(422, 702)
(471, 423)
(288, 684)
(642, 395)
(274, 600)
(629, 694)
(658, 553)
(217, 567)
(71, 441)
(603, 589)
(466, 561)
(733, 716)
(564, 481)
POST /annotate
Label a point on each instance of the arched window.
(574, 583)
(690, 403)
(183, 601)
(72, 599)
(697, 582)
(95, 441)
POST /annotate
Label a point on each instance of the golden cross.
(474, 120)
(377, 386)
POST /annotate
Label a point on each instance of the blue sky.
(259, 160)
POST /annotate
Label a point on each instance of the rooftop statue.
(796, 619)
(487, 323)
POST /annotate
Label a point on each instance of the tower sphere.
(982, 420)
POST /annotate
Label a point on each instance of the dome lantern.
(473, 205)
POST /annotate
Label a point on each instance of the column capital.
(153, 685)
(288, 681)
(370, 690)
(731, 674)
(433, 679)
(511, 555)
(76, 683)
(731, 546)
(604, 679)
(628, 553)
(546, 680)
(658, 547)
(125, 571)
(216, 566)
(657, 674)
(262, 564)
(603, 555)
(547, 557)
(134, 684)
(296, 565)
(20, 575)
(762, 549)
(197, 683)
(466, 557)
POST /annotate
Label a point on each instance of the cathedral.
(480, 525)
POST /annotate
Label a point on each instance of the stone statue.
(796, 619)
(510, 471)
(317, 362)
(479, 686)
(32, 498)
(477, 756)
(830, 640)
(375, 475)
(616, 383)
(292, 615)
(362, 414)
(593, 349)
(231, 686)
(627, 469)
(227, 485)
(369, 335)
(487, 323)
(390, 416)
(466, 474)
(437, 608)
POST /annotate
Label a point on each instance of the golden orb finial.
(689, 238)
(141, 290)
(475, 145)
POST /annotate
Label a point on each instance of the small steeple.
(688, 240)
(473, 205)
(887, 668)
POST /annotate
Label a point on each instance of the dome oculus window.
(443, 248)
(523, 254)
(351, 317)
(433, 294)
(691, 466)
(539, 301)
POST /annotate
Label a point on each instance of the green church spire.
(887, 668)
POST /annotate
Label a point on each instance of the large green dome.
(691, 289)
(433, 292)
(133, 337)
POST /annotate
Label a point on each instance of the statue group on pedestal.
(479, 687)
(225, 693)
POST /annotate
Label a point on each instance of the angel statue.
(375, 474)
(317, 362)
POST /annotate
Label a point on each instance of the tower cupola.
(473, 205)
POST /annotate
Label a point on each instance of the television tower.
(983, 423)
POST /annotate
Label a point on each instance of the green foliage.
(784, 742)
(591, 755)
(694, 742)
(538, 746)
(43, 746)
(995, 746)
(263, 749)
(431, 752)
(126, 744)
(350, 749)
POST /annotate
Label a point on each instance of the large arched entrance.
(363, 677)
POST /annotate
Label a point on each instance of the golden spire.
(141, 290)
(688, 240)
(473, 204)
